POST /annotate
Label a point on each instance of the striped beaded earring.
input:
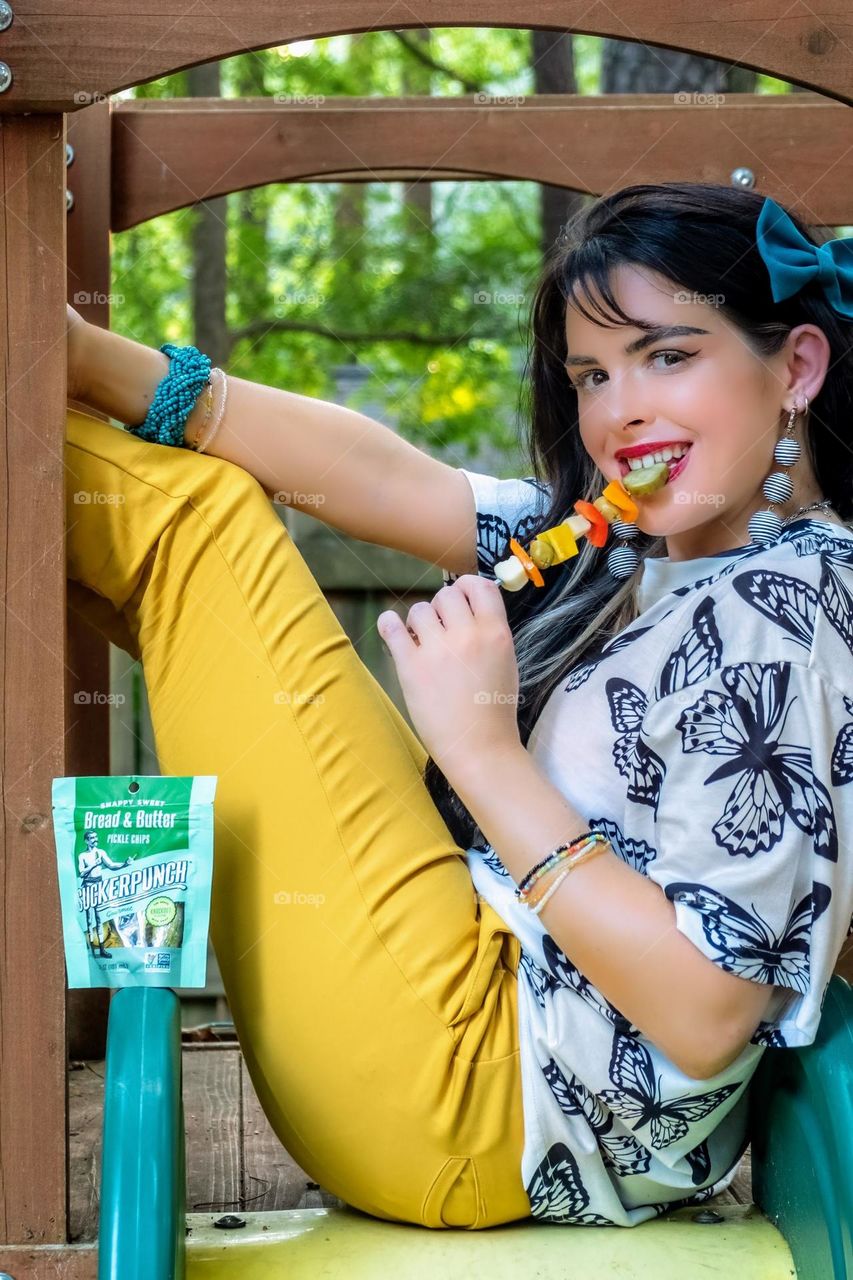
(765, 526)
(623, 560)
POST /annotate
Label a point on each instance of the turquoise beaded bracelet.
(177, 392)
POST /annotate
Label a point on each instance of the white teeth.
(663, 455)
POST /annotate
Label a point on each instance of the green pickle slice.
(646, 479)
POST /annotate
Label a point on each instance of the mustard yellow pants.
(374, 995)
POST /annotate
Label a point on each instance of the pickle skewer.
(591, 520)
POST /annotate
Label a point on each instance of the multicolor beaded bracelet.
(531, 875)
(555, 856)
(561, 853)
(175, 396)
(592, 850)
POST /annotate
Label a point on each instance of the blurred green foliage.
(367, 266)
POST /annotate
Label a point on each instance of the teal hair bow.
(793, 261)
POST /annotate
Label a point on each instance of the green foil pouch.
(135, 860)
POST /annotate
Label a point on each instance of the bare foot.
(76, 340)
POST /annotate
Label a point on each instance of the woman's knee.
(140, 487)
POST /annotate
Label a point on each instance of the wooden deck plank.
(85, 1136)
(212, 1113)
(741, 1188)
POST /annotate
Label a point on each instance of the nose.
(625, 403)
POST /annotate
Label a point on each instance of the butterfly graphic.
(540, 982)
(581, 673)
(633, 757)
(791, 603)
(622, 1153)
(814, 537)
(774, 780)
(785, 601)
(744, 941)
(699, 1160)
(738, 554)
(492, 860)
(494, 532)
(637, 1096)
(637, 853)
(836, 597)
(568, 975)
(769, 1036)
(557, 1193)
(841, 764)
(697, 653)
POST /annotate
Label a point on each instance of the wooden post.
(88, 172)
(33, 1106)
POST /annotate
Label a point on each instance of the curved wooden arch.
(167, 155)
(62, 59)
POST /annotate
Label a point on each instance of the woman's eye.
(680, 356)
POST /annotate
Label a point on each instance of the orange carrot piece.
(530, 568)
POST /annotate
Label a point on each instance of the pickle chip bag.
(135, 861)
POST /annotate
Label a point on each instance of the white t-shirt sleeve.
(750, 776)
(505, 509)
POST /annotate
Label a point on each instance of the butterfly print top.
(717, 758)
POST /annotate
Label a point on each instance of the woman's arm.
(615, 924)
(333, 462)
(457, 667)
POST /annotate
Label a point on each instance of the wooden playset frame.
(75, 167)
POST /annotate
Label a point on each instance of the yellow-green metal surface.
(342, 1244)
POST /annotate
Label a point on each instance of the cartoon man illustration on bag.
(89, 864)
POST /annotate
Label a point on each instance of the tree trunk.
(349, 222)
(554, 72)
(628, 67)
(208, 241)
(417, 80)
(251, 258)
(739, 80)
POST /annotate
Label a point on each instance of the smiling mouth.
(648, 461)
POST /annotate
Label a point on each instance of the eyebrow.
(654, 335)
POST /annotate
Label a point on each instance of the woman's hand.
(457, 668)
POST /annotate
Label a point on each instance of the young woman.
(430, 1044)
